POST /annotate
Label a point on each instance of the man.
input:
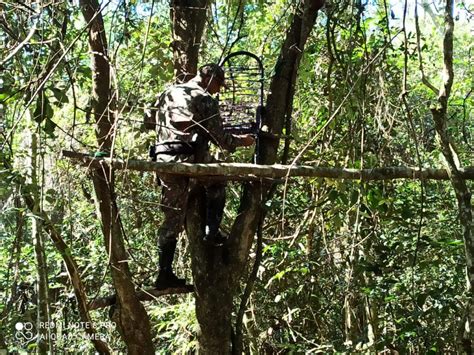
(186, 118)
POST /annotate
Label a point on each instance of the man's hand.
(246, 139)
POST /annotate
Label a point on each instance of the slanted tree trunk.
(188, 19)
(73, 272)
(130, 316)
(217, 271)
(282, 87)
(63, 249)
(462, 191)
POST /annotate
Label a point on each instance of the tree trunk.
(463, 194)
(214, 289)
(280, 100)
(188, 20)
(41, 262)
(217, 270)
(131, 318)
(211, 267)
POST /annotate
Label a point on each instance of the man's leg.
(215, 202)
(174, 200)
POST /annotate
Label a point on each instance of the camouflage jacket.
(188, 113)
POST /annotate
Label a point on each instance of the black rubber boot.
(166, 277)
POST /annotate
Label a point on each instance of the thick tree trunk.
(217, 271)
(214, 290)
(188, 20)
(279, 109)
(130, 315)
(211, 267)
(280, 100)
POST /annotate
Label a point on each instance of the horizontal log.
(145, 295)
(244, 171)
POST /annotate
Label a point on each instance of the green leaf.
(49, 127)
(60, 95)
(455, 242)
(43, 109)
(51, 195)
(354, 196)
(406, 211)
(333, 195)
(390, 298)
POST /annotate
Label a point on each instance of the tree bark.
(279, 107)
(210, 268)
(280, 100)
(41, 261)
(73, 272)
(462, 191)
(130, 315)
(217, 271)
(246, 171)
(188, 20)
(144, 295)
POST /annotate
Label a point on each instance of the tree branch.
(144, 295)
(130, 316)
(243, 171)
(73, 273)
(424, 79)
(453, 165)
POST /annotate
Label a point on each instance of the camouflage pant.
(174, 201)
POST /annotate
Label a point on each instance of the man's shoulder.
(190, 91)
(192, 95)
(190, 85)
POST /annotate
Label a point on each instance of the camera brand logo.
(24, 331)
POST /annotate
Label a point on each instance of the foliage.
(347, 266)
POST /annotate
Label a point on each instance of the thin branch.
(23, 43)
(45, 80)
(72, 269)
(249, 288)
(412, 130)
(424, 79)
(144, 295)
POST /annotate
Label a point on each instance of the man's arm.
(211, 122)
(150, 117)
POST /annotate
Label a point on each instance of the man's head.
(212, 77)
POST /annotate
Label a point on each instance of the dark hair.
(212, 70)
